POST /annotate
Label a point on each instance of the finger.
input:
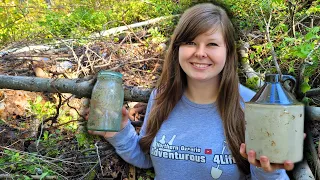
(288, 165)
(85, 113)
(304, 135)
(252, 158)
(140, 109)
(125, 116)
(140, 105)
(265, 164)
(136, 117)
(243, 150)
(132, 113)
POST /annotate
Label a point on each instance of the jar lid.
(109, 73)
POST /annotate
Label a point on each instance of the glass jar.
(106, 102)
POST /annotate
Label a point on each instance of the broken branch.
(78, 87)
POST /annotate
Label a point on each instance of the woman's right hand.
(124, 121)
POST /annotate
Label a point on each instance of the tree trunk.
(78, 87)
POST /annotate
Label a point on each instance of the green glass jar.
(106, 102)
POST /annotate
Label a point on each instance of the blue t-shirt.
(190, 145)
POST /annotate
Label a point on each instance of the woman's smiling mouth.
(201, 66)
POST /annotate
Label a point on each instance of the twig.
(273, 53)
(84, 176)
(6, 176)
(314, 79)
(309, 55)
(41, 157)
(97, 149)
(40, 177)
(54, 118)
(292, 11)
(46, 161)
(39, 136)
(54, 127)
(75, 109)
(131, 30)
(132, 62)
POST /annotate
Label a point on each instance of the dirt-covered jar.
(106, 102)
(275, 122)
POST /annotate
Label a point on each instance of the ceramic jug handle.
(291, 79)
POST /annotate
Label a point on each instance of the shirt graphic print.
(168, 149)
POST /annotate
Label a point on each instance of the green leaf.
(258, 48)
(309, 36)
(306, 101)
(38, 99)
(252, 55)
(45, 135)
(305, 87)
(291, 69)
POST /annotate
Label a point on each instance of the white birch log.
(249, 71)
(131, 26)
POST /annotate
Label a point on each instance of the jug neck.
(272, 92)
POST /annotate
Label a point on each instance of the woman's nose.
(201, 53)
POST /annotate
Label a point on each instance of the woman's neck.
(202, 92)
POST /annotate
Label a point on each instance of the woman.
(194, 124)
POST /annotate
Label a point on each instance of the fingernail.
(263, 159)
(251, 153)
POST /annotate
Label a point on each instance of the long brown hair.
(172, 83)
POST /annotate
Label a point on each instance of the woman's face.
(203, 58)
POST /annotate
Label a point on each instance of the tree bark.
(250, 73)
(313, 92)
(302, 171)
(78, 87)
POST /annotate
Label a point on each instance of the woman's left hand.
(264, 162)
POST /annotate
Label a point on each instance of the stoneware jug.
(275, 121)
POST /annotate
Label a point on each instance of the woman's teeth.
(200, 65)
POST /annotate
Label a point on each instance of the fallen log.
(79, 87)
(313, 92)
(131, 26)
(302, 171)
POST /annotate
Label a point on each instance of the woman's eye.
(213, 44)
(190, 43)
